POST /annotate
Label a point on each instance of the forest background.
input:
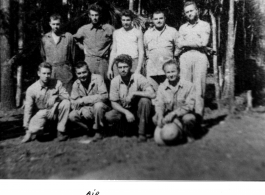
(237, 41)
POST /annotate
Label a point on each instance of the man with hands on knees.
(88, 98)
(46, 100)
(130, 96)
(174, 107)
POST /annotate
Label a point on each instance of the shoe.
(62, 136)
(97, 137)
(141, 138)
(26, 138)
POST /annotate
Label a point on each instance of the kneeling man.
(88, 97)
(174, 106)
(46, 100)
(130, 96)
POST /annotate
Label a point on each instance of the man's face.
(55, 25)
(171, 72)
(123, 69)
(126, 22)
(82, 73)
(45, 75)
(159, 20)
(191, 12)
(94, 16)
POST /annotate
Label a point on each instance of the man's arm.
(42, 50)
(112, 56)
(141, 51)
(148, 93)
(78, 37)
(28, 110)
(129, 116)
(199, 40)
(72, 50)
(176, 44)
(159, 107)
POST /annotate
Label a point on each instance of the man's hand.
(129, 116)
(110, 74)
(169, 117)
(129, 98)
(78, 103)
(51, 101)
(160, 121)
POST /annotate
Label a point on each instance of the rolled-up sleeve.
(114, 90)
(63, 94)
(159, 101)
(28, 110)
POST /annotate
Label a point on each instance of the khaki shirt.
(170, 98)
(195, 33)
(96, 92)
(160, 47)
(61, 52)
(37, 96)
(119, 90)
(96, 41)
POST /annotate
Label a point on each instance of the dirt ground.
(232, 149)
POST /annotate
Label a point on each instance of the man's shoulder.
(116, 79)
(149, 31)
(33, 86)
(202, 22)
(67, 34)
(86, 27)
(96, 77)
(108, 26)
(170, 28)
(186, 84)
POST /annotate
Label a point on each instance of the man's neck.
(44, 84)
(127, 78)
(174, 83)
(194, 21)
(160, 29)
(87, 82)
(128, 29)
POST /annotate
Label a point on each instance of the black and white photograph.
(134, 90)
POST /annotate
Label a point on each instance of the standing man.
(174, 107)
(193, 39)
(160, 44)
(46, 100)
(130, 96)
(127, 40)
(57, 48)
(88, 96)
(96, 39)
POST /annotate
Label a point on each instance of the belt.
(102, 57)
(60, 63)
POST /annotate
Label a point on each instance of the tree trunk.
(139, 7)
(20, 48)
(7, 100)
(131, 2)
(229, 78)
(215, 63)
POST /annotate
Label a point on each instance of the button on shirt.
(63, 51)
(96, 92)
(195, 33)
(96, 40)
(170, 98)
(160, 47)
(37, 96)
(119, 90)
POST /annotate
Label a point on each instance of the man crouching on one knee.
(174, 106)
(130, 96)
(46, 100)
(88, 95)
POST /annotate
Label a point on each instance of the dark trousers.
(141, 109)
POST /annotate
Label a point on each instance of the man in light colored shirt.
(130, 96)
(88, 98)
(58, 49)
(174, 107)
(127, 40)
(160, 44)
(193, 39)
(46, 100)
(95, 39)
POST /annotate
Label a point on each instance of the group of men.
(110, 88)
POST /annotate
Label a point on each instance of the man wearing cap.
(174, 107)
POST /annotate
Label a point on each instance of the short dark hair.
(56, 17)
(81, 64)
(45, 65)
(159, 11)
(174, 62)
(123, 58)
(95, 8)
(187, 3)
(128, 13)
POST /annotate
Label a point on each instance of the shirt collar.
(194, 23)
(131, 79)
(93, 78)
(50, 34)
(100, 26)
(168, 86)
(165, 27)
(49, 84)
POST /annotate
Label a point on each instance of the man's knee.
(99, 106)
(145, 102)
(189, 118)
(113, 116)
(73, 116)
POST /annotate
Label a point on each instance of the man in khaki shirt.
(193, 39)
(46, 100)
(130, 96)
(160, 43)
(174, 107)
(88, 98)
